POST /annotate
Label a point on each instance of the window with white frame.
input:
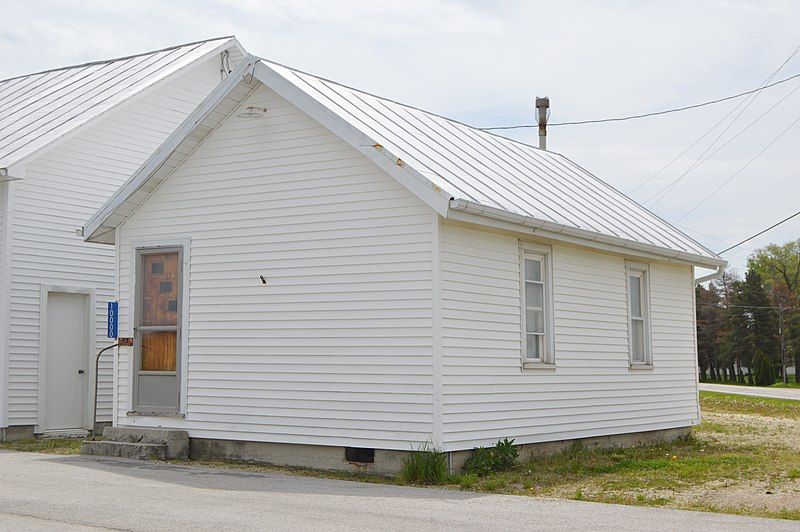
(537, 305)
(639, 314)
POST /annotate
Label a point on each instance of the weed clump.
(424, 466)
(502, 457)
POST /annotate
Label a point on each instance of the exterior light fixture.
(251, 112)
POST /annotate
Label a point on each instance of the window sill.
(539, 366)
(641, 367)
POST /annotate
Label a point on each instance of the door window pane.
(158, 289)
(159, 350)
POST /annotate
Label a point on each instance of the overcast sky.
(484, 63)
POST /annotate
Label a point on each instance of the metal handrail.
(96, 384)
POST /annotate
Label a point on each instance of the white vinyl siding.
(4, 289)
(336, 347)
(592, 391)
(62, 188)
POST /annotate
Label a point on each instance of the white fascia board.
(482, 214)
(166, 149)
(234, 42)
(12, 173)
(78, 128)
(407, 176)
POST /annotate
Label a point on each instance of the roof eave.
(570, 234)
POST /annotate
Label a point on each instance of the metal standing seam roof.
(494, 171)
(475, 168)
(37, 108)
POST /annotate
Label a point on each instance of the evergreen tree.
(752, 322)
(763, 371)
(709, 330)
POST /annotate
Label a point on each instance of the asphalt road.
(46, 492)
(755, 391)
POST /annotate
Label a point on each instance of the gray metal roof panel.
(38, 108)
(492, 170)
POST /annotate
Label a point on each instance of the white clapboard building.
(69, 137)
(313, 267)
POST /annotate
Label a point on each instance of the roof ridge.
(453, 120)
(123, 58)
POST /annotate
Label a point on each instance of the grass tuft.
(425, 467)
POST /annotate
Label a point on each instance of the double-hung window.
(639, 314)
(537, 317)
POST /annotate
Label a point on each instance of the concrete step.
(176, 441)
(138, 451)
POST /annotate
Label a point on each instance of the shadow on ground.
(254, 481)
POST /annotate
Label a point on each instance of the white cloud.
(484, 62)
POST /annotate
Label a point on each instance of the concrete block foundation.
(389, 462)
(294, 455)
(533, 450)
(16, 433)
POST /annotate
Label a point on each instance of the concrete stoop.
(123, 449)
(142, 444)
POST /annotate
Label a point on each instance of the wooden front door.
(158, 318)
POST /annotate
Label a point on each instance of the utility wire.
(740, 170)
(723, 146)
(645, 115)
(773, 226)
(744, 106)
(729, 113)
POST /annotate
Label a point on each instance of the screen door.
(158, 318)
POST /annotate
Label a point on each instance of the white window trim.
(548, 360)
(644, 271)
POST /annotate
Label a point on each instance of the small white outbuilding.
(69, 138)
(305, 263)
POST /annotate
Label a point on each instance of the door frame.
(90, 302)
(183, 245)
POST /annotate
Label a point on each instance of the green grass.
(790, 384)
(719, 453)
(45, 445)
(742, 404)
(427, 467)
(778, 384)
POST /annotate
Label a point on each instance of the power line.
(671, 185)
(704, 135)
(773, 226)
(645, 115)
(740, 170)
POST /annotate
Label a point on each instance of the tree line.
(748, 327)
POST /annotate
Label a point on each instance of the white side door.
(66, 370)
